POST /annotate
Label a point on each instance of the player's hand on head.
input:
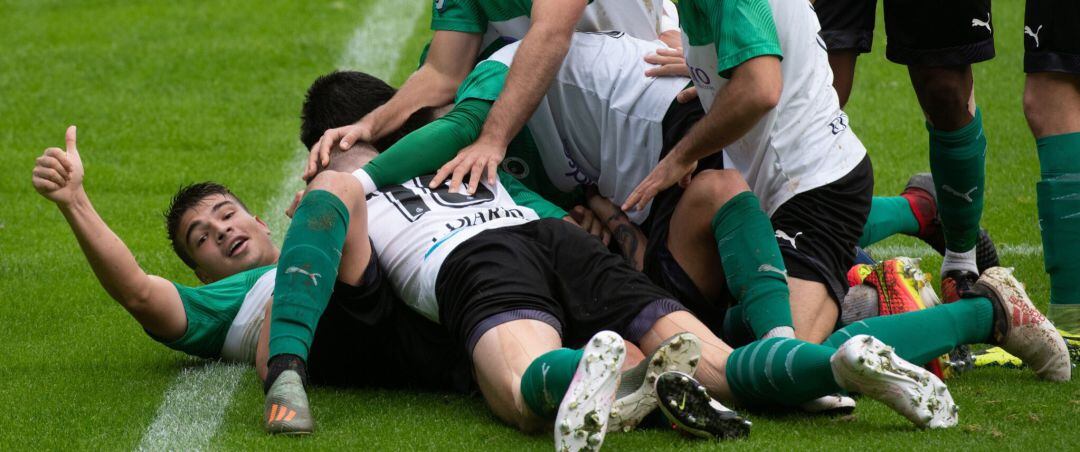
(587, 220)
(669, 63)
(668, 172)
(480, 161)
(58, 173)
(342, 137)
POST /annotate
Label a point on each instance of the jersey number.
(413, 205)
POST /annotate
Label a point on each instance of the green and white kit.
(806, 141)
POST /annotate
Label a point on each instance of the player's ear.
(265, 227)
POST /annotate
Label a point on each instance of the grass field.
(167, 93)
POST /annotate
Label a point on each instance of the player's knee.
(945, 93)
(714, 188)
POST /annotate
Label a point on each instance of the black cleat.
(687, 404)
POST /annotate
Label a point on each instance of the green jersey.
(643, 19)
(224, 318)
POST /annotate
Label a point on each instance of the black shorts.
(551, 271)
(660, 265)
(1052, 36)
(918, 32)
(818, 230)
(368, 337)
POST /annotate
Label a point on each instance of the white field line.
(1004, 250)
(195, 403)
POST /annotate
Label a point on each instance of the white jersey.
(601, 121)
(803, 143)
(413, 230)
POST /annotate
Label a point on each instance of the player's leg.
(1052, 108)
(718, 228)
(998, 312)
(788, 373)
(327, 241)
(847, 28)
(939, 50)
(498, 296)
(817, 231)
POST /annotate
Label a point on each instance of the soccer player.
(1052, 108)
(384, 171)
(462, 28)
(938, 49)
(230, 250)
(766, 86)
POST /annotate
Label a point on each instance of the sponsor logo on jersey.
(576, 173)
(484, 216)
(839, 124)
(700, 76)
(314, 276)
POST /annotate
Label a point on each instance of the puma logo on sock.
(313, 276)
(1033, 34)
(966, 196)
(978, 23)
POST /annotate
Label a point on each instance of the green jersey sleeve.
(525, 197)
(458, 15)
(210, 310)
(428, 148)
(485, 82)
(741, 29)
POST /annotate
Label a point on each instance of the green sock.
(780, 372)
(958, 162)
(306, 272)
(967, 321)
(737, 330)
(889, 215)
(1058, 195)
(752, 263)
(544, 383)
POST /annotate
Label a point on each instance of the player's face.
(224, 239)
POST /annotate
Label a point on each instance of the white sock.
(959, 261)
(780, 331)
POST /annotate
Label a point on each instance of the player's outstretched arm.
(153, 301)
(450, 59)
(537, 60)
(753, 91)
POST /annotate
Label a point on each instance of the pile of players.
(591, 210)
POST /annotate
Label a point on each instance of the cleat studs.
(573, 405)
(565, 427)
(683, 379)
(595, 440)
(672, 403)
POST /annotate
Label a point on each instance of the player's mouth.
(237, 246)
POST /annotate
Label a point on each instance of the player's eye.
(201, 240)
(228, 215)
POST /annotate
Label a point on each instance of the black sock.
(281, 363)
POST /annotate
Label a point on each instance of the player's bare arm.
(449, 61)
(153, 301)
(754, 90)
(539, 57)
(631, 240)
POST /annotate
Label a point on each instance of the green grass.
(173, 92)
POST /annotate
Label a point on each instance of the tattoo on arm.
(626, 235)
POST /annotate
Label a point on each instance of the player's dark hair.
(341, 98)
(187, 197)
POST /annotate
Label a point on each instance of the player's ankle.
(281, 363)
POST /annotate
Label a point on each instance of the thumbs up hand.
(58, 174)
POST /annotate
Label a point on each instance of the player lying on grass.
(958, 323)
(230, 250)
(603, 123)
(163, 310)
